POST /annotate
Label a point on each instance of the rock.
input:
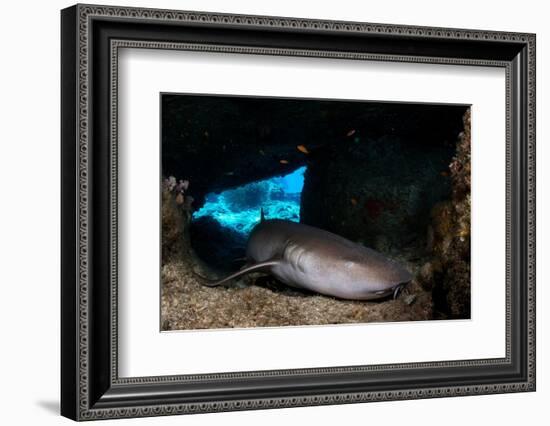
(382, 243)
(425, 275)
(217, 246)
(174, 225)
(379, 191)
(409, 299)
(451, 238)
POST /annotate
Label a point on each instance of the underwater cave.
(369, 171)
(220, 228)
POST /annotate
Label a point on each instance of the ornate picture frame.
(91, 38)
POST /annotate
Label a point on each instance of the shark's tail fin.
(258, 267)
(262, 215)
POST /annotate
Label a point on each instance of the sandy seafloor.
(258, 300)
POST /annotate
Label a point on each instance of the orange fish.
(350, 133)
(444, 173)
(303, 149)
(283, 162)
(353, 201)
(179, 199)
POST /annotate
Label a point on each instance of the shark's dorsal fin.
(252, 268)
(262, 215)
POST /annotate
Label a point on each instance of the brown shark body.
(306, 257)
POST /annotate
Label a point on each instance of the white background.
(29, 225)
(143, 351)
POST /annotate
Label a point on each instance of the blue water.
(239, 208)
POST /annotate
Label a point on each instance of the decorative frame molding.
(91, 37)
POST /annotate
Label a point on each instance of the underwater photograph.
(294, 211)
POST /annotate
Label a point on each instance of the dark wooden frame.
(90, 386)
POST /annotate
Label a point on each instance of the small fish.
(350, 133)
(262, 152)
(283, 161)
(303, 149)
(230, 173)
(444, 173)
(353, 201)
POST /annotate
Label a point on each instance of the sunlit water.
(239, 208)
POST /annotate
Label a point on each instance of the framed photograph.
(263, 212)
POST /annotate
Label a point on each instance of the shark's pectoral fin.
(257, 267)
(399, 289)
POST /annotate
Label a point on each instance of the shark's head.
(372, 277)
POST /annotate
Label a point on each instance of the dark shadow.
(216, 245)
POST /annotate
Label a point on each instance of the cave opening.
(220, 228)
(238, 209)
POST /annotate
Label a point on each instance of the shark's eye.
(381, 292)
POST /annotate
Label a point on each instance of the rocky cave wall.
(220, 142)
(379, 192)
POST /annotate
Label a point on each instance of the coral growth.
(175, 214)
(448, 273)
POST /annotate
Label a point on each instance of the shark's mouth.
(394, 291)
(398, 289)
